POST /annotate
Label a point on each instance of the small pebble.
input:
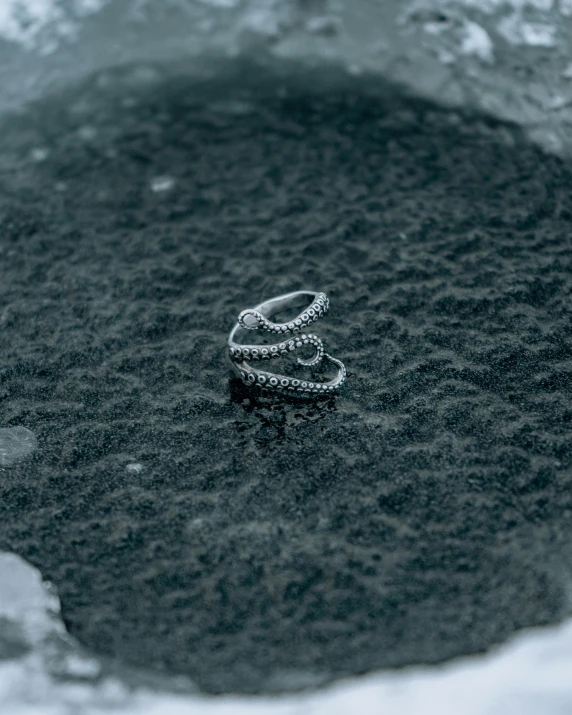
(162, 183)
(134, 468)
(16, 443)
(39, 154)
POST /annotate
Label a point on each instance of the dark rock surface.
(263, 544)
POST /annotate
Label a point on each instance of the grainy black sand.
(423, 513)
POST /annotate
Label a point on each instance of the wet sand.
(265, 544)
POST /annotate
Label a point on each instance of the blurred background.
(508, 58)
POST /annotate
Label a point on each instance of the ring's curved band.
(315, 305)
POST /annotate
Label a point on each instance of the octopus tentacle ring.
(314, 305)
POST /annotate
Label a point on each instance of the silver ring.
(314, 305)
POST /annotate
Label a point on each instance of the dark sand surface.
(423, 513)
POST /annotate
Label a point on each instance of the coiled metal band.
(292, 337)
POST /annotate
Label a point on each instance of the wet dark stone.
(266, 543)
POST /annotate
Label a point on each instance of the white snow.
(476, 41)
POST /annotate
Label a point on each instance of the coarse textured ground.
(258, 543)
